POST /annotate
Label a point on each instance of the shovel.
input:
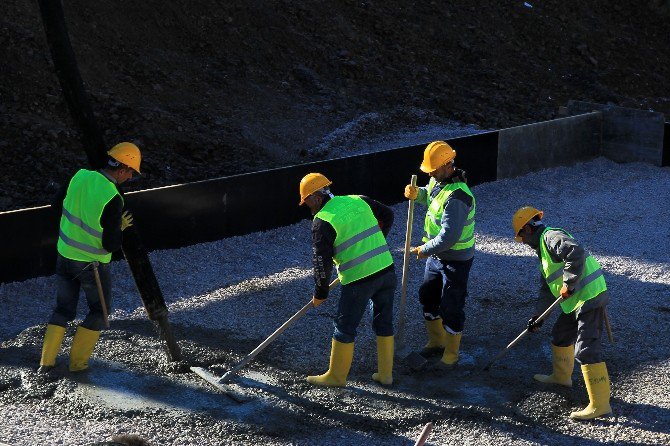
(400, 337)
(219, 382)
(413, 359)
(523, 333)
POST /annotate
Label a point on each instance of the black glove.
(534, 326)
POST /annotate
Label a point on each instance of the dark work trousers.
(354, 300)
(584, 329)
(71, 276)
(443, 291)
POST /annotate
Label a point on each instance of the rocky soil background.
(225, 299)
(210, 88)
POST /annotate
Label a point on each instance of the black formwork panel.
(177, 216)
(29, 243)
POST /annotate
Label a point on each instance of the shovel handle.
(247, 359)
(608, 327)
(400, 336)
(101, 295)
(523, 333)
(425, 433)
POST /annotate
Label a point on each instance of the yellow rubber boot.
(437, 339)
(384, 373)
(450, 356)
(341, 355)
(598, 387)
(82, 347)
(563, 362)
(52, 341)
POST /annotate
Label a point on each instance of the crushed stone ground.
(226, 297)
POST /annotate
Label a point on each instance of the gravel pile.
(226, 297)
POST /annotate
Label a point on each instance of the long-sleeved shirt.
(323, 240)
(562, 248)
(455, 214)
(110, 220)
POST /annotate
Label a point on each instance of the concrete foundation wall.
(176, 216)
(627, 134)
(532, 147)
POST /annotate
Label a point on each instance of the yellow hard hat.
(523, 216)
(436, 155)
(310, 183)
(128, 154)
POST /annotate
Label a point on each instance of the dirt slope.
(216, 88)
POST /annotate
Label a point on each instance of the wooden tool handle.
(608, 327)
(400, 335)
(247, 359)
(523, 333)
(101, 295)
(425, 433)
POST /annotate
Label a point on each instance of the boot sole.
(605, 415)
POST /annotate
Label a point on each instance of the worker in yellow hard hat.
(91, 224)
(350, 232)
(449, 247)
(571, 274)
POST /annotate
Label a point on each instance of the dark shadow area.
(478, 414)
(643, 416)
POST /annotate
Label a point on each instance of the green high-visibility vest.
(360, 246)
(80, 236)
(591, 282)
(433, 222)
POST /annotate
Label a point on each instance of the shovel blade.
(215, 381)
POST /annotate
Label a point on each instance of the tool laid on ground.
(425, 433)
(523, 333)
(218, 382)
(98, 283)
(400, 332)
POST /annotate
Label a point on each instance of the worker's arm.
(110, 220)
(456, 210)
(323, 239)
(564, 248)
(382, 213)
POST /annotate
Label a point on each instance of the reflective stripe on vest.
(591, 282)
(80, 234)
(360, 247)
(433, 221)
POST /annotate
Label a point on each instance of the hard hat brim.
(426, 169)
